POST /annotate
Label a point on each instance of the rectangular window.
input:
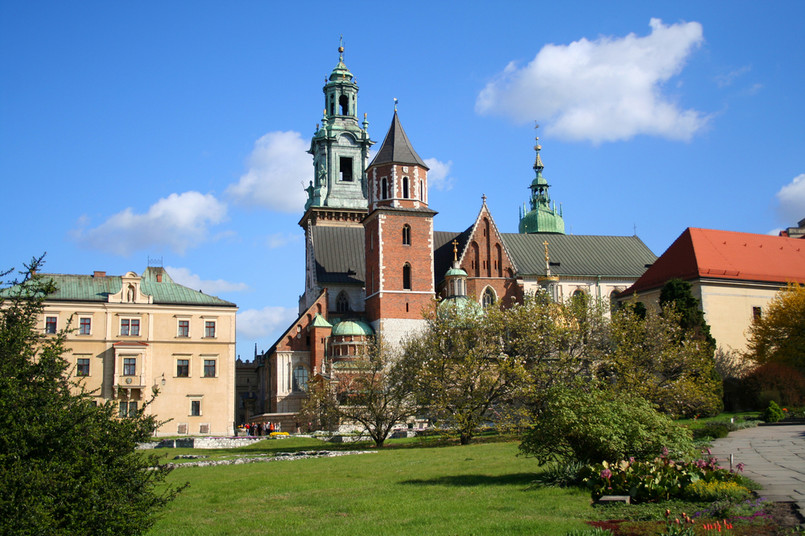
(129, 366)
(209, 329)
(195, 408)
(184, 328)
(130, 326)
(127, 409)
(50, 324)
(82, 368)
(757, 312)
(345, 168)
(182, 368)
(209, 368)
(85, 326)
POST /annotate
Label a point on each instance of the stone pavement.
(774, 457)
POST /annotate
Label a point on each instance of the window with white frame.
(51, 324)
(183, 328)
(182, 368)
(209, 368)
(129, 366)
(130, 326)
(82, 367)
(85, 325)
(209, 329)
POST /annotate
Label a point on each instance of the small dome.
(455, 272)
(352, 327)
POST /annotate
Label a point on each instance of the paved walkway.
(774, 457)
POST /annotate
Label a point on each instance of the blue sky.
(178, 130)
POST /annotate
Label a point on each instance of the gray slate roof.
(339, 254)
(397, 148)
(579, 255)
(90, 288)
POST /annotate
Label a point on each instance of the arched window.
(343, 102)
(300, 378)
(476, 259)
(384, 188)
(405, 187)
(406, 276)
(342, 302)
(579, 297)
(406, 235)
(499, 260)
(489, 297)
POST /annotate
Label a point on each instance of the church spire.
(540, 216)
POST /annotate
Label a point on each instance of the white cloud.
(259, 323)
(185, 277)
(279, 170)
(791, 199)
(179, 221)
(439, 174)
(608, 89)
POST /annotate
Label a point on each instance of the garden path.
(774, 457)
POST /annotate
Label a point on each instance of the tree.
(67, 466)
(461, 372)
(676, 296)
(375, 390)
(657, 359)
(778, 336)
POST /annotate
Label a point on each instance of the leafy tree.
(778, 336)
(375, 391)
(462, 374)
(656, 359)
(67, 466)
(676, 295)
(584, 422)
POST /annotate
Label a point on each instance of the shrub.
(715, 490)
(657, 480)
(775, 381)
(773, 413)
(713, 430)
(597, 425)
(562, 475)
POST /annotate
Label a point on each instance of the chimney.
(159, 277)
(99, 274)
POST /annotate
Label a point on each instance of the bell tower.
(340, 149)
(399, 238)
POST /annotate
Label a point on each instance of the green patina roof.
(543, 219)
(320, 322)
(352, 327)
(455, 272)
(92, 288)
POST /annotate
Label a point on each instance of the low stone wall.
(207, 442)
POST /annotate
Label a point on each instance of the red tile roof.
(707, 253)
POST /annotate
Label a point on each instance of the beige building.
(131, 333)
(733, 275)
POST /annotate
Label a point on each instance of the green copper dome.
(352, 327)
(455, 272)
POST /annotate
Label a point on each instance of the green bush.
(713, 430)
(660, 479)
(715, 490)
(773, 413)
(596, 425)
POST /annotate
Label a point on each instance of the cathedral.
(374, 263)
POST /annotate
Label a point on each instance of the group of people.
(261, 428)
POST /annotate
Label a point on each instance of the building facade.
(130, 334)
(733, 275)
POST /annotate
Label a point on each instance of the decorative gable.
(130, 291)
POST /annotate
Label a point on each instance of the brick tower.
(399, 238)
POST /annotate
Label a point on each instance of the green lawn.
(471, 490)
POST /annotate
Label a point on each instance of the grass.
(476, 489)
